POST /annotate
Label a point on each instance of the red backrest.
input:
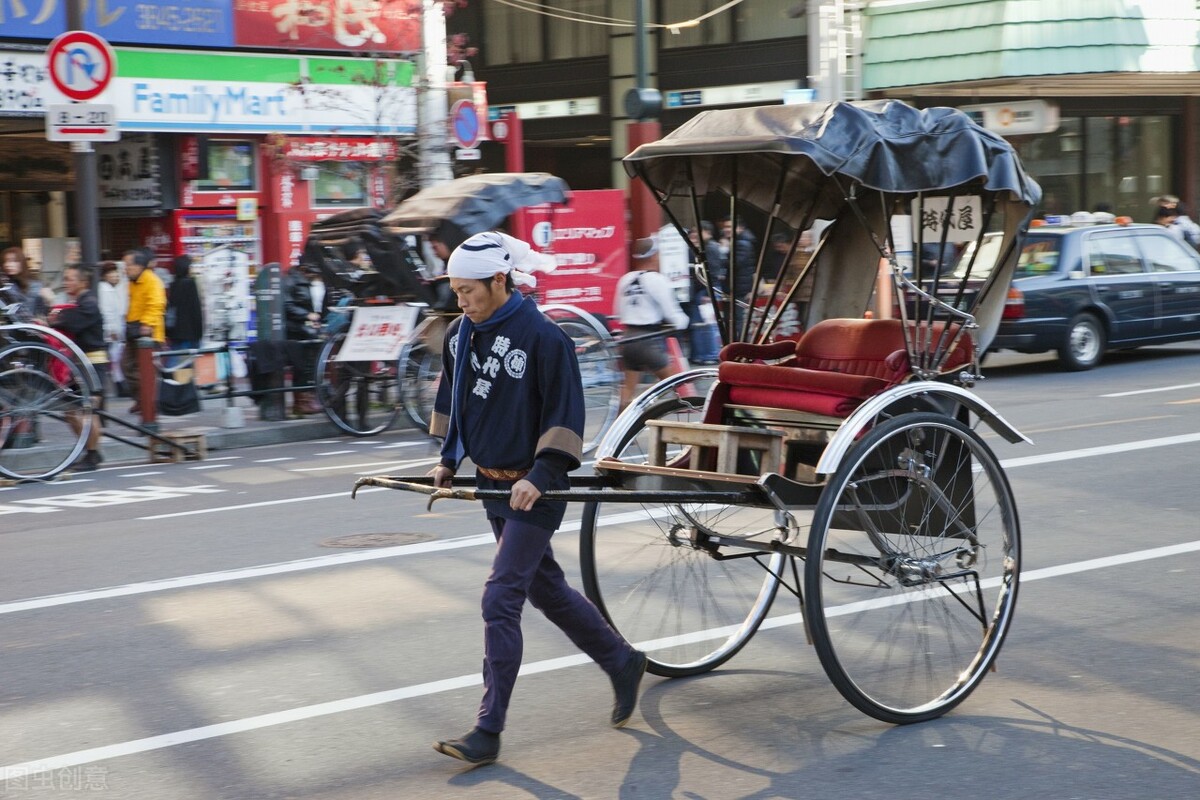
(869, 347)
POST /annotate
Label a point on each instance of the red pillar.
(147, 397)
(514, 161)
(645, 215)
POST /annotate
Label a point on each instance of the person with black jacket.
(302, 320)
(185, 316)
(82, 321)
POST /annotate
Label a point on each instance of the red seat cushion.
(838, 364)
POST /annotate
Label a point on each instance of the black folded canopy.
(885, 145)
(457, 209)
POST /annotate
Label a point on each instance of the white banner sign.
(378, 333)
(128, 173)
(962, 221)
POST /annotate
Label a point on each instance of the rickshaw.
(846, 464)
(363, 398)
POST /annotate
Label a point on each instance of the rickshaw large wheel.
(44, 417)
(359, 397)
(600, 372)
(912, 568)
(421, 368)
(661, 580)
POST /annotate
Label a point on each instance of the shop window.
(340, 183)
(1109, 163)
(714, 30)
(512, 36)
(767, 19)
(573, 39)
(231, 166)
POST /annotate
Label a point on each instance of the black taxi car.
(1082, 288)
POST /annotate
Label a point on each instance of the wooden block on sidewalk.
(195, 448)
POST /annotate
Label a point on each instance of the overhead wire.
(586, 18)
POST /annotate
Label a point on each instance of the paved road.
(192, 631)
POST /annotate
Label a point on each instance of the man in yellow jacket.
(146, 317)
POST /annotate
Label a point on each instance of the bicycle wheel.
(421, 367)
(670, 577)
(601, 376)
(44, 417)
(359, 397)
(912, 568)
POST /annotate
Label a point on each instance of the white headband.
(484, 254)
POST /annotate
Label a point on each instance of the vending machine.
(226, 253)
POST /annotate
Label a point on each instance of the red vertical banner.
(588, 238)
(288, 215)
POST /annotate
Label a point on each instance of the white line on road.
(141, 474)
(1151, 391)
(163, 741)
(334, 453)
(274, 460)
(262, 504)
(374, 466)
(1104, 450)
(210, 466)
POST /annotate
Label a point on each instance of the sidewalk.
(223, 427)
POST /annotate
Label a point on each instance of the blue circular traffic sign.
(464, 121)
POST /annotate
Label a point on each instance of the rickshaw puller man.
(511, 399)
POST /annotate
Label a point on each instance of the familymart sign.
(162, 90)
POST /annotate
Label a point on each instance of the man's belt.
(502, 474)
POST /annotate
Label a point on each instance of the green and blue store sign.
(199, 92)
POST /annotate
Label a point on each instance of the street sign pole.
(87, 184)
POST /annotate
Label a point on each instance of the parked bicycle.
(364, 397)
(46, 390)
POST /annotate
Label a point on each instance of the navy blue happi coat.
(515, 403)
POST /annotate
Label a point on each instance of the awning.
(1008, 45)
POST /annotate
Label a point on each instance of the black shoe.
(88, 462)
(476, 748)
(625, 688)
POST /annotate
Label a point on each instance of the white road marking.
(1151, 391)
(1104, 450)
(334, 453)
(394, 445)
(163, 741)
(141, 474)
(300, 565)
(374, 467)
(261, 504)
(210, 466)
(104, 497)
(274, 460)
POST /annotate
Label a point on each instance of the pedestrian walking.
(511, 400)
(146, 317)
(80, 318)
(114, 304)
(185, 314)
(645, 303)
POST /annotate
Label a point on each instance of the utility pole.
(643, 104)
(83, 157)
(433, 156)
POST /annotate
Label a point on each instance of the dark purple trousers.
(524, 567)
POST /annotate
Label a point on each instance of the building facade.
(240, 123)
(1099, 98)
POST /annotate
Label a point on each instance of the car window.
(1168, 254)
(1113, 254)
(982, 265)
(1039, 256)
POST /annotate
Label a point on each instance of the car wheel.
(1083, 346)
